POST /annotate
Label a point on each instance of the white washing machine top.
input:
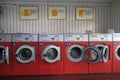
(116, 36)
(76, 37)
(50, 37)
(100, 37)
(5, 37)
(24, 37)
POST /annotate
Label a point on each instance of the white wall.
(11, 23)
(115, 15)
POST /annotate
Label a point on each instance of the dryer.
(25, 54)
(116, 53)
(6, 64)
(50, 54)
(99, 53)
(74, 54)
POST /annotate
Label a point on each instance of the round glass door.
(1, 54)
(51, 53)
(75, 53)
(105, 53)
(117, 53)
(92, 54)
(25, 54)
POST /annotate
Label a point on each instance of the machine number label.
(14, 44)
(40, 44)
(115, 43)
(91, 43)
(66, 43)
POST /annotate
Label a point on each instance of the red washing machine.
(116, 53)
(99, 53)
(73, 54)
(25, 54)
(51, 54)
(6, 64)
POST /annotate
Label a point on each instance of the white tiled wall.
(10, 22)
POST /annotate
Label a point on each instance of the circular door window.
(1, 54)
(75, 53)
(100, 48)
(92, 54)
(51, 53)
(117, 53)
(25, 54)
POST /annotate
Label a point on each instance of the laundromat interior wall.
(106, 16)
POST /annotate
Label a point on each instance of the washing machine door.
(25, 54)
(51, 53)
(117, 52)
(104, 50)
(92, 54)
(105, 54)
(4, 54)
(75, 53)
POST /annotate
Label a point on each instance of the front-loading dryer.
(50, 54)
(116, 53)
(6, 64)
(99, 53)
(73, 54)
(25, 54)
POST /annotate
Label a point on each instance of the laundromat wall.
(106, 16)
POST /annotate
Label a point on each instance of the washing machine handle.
(105, 59)
(44, 55)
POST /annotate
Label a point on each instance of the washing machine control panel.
(51, 37)
(116, 37)
(100, 37)
(25, 37)
(5, 38)
(76, 37)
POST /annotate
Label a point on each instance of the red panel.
(116, 62)
(7, 69)
(75, 67)
(102, 67)
(29, 68)
(50, 68)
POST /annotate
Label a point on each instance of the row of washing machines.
(48, 54)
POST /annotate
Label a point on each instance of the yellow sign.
(54, 12)
(26, 12)
(81, 13)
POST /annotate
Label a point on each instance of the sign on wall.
(84, 13)
(56, 12)
(29, 12)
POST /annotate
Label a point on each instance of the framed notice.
(84, 13)
(56, 12)
(28, 12)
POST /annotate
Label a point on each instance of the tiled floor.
(66, 77)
